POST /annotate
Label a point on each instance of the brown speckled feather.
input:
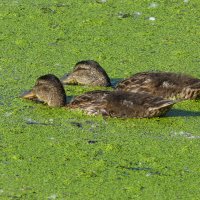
(87, 72)
(122, 104)
(164, 84)
(92, 103)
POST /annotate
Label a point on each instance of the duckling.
(164, 84)
(120, 104)
(87, 72)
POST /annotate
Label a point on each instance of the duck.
(120, 104)
(167, 85)
(87, 72)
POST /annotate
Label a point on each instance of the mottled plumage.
(121, 104)
(87, 72)
(164, 84)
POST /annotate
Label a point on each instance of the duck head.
(87, 72)
(48, 89)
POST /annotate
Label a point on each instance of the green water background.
(55, 153)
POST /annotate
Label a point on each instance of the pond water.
(56, 153)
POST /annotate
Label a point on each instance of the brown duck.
(87, 72)
(49, 89)
(164, 84)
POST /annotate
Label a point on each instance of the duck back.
(164, 84)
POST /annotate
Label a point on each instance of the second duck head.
(87, 72)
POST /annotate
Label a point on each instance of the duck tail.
(166, 103)
(192, 92)
(178, 100)
(163, 106)
(196, 88)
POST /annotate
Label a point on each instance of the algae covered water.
(56, 153)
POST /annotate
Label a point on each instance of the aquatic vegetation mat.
(56, 153)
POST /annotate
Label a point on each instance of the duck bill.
(28, 95)
(64, 79)
(68, 79)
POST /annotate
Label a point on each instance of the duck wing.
(164, 84)
(136, 105)
(122, 104)
(92, 103)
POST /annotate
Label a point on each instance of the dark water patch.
(122, 15)
(77, 124)
(182, 113)
(115, 81)
(92, 141)
(70, 98)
